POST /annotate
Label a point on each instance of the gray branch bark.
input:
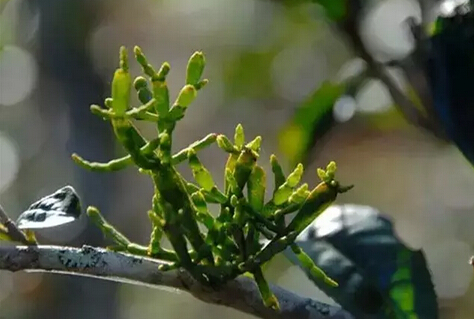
(241, 294)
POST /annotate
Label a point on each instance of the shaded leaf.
(450, 71)
(378, 276)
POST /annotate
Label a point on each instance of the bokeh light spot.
(18, 75)
(9, 161)
(351, 68)
(385, 31)
(344, 108)
(373, 97)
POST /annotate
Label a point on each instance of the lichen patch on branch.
(241, 294)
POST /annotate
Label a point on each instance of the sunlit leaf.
(59, 208)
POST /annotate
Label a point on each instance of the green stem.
(165, 218)
(115, 164)
(258, 217)
(182, 155)
(309, 264)
(107, 229)
(276, 245)
(132, 141)
(269, 299)
(172, 190)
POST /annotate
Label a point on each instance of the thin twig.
(404, 105)
(424, 8)
(241, 294)
(13, 231)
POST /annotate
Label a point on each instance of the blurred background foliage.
(265, 61)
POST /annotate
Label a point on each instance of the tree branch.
(241, 294)
(13, 231)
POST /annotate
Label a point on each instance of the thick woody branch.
(241, 294)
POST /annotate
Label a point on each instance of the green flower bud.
(108, 102)
(231, 181)
(255, 144)
(121, 91)
(163, 72)
(295, 177)
(299, 195)
(121, 85)
(201, 84)
(229, 168)
(144, 95)
(321, 197)
(142, 60)
(161, 95)
(123, 59)
(165, 148)
(243, 167)
(186, 96)
(256, 188)
(139, 56)
(239, 136)
(331, 170)
(234, 201)
(224, 216)
(200, 173)
(277, 171)
(331, 167)
(195, 68)
(199, 201)
(217, 196)
(321, 174)
(239, 214)
(140, 82)
(155, 239)
(282, 194)
(224, 143)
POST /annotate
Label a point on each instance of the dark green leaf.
(378, 276)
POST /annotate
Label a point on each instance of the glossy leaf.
(378, 276)
(59, 208)
(450, 70)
